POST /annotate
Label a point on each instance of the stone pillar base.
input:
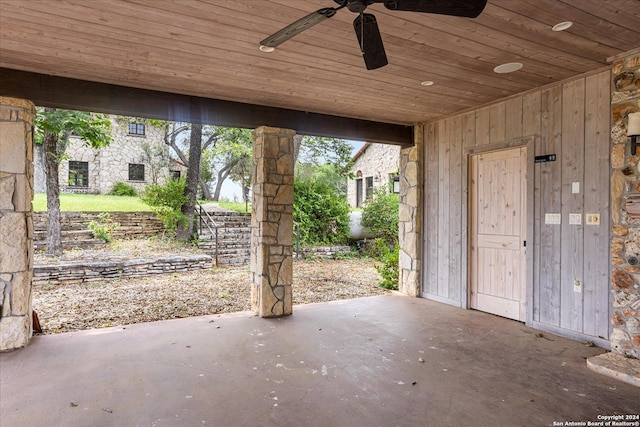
(410, 216)
(272, 222)
(16, 221)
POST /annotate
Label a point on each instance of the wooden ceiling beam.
(60, 92)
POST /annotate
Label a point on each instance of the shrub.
(389, 270)
(322, 214)
(122, 189)
(104, 227)
(166, 201)
(380, 215)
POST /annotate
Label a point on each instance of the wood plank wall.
(570, 120)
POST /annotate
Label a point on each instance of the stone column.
(410, 216)
(16, 222)
(625, 231)
(272, 222)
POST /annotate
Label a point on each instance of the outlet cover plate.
(575, 219)
(593, 219)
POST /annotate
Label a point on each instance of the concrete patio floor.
(378, 361)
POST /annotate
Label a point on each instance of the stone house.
(374, 166)
(136, 156)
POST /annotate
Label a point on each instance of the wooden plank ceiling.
(209, 48)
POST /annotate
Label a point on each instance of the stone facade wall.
(625, 231)
(410, 216)
(272, 222)
(16, 223)
(379, 161)
(89, 271)
(110, 164)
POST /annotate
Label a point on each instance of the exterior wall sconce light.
(633, 130)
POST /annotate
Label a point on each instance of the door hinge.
(524, 243)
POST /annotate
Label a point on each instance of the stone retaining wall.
(132, 224)
(88, 271)
(324, 252)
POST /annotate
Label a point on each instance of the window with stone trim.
(136, 129)
(78, 174)
(369, 187)
(136, 172)
(175, 174)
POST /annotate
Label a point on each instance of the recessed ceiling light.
(267, 49)
(561, 26)
(509, 67)
(427, 83)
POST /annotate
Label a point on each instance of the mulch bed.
(72, 307)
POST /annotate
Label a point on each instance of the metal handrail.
(214, 231)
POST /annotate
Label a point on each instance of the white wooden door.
(498, 232)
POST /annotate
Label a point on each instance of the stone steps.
(231, 256)
(234, 238)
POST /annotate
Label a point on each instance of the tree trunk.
(50, 149)
(206, 193)
(223, 173)
(185, 231)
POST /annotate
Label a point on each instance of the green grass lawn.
(238, 207)
(92, 203)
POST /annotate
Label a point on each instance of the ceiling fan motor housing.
(356, 6)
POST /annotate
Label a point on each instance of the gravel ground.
(63, 308)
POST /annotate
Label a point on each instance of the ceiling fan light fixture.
(561, 26)
(509, 67)
(427, 83)
(266, 49)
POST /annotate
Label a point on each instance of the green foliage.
(122, 189)
(231, 155)
(104, 227)
(92, 128)
(351, 254)
(322, 214)
(166, 201)
(157, 157)
(380, 215)
(333, 151)
(389, 270)
(327, 174)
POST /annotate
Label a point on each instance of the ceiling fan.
(366, 26)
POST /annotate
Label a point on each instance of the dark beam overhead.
(50, 91)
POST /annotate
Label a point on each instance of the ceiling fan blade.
(299, 26)
(370, 41)
(464, 8)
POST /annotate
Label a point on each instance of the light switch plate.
(593, 219)
(552, 218)
(575, 187)
(575, 219)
